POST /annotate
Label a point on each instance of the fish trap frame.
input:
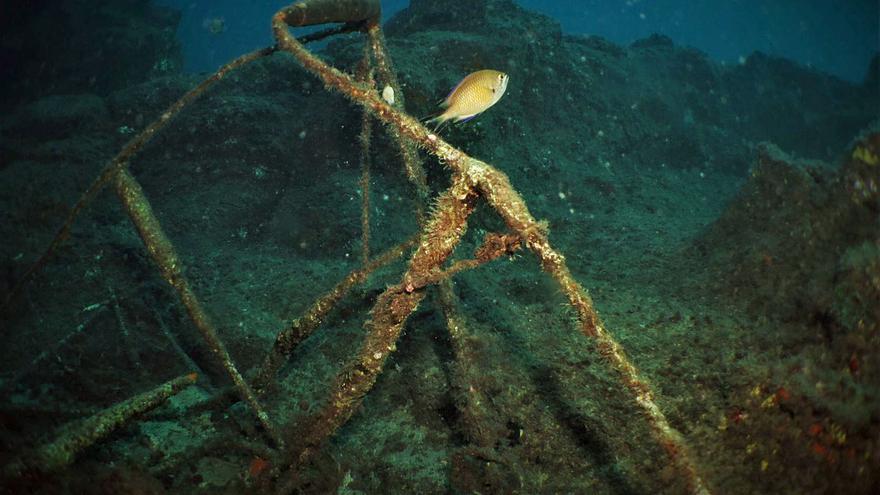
(441, 230)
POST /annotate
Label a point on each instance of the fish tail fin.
(438, 120)
(441, 125)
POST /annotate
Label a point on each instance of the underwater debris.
(75, 438)
(442, 231)
(468, 393)
(214, 25)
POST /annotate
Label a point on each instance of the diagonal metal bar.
(498, 191)
(121, 161)
(300, 328)
(78, 436)
(387, 318)
(136, 204)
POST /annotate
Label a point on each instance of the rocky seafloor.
(726, 220)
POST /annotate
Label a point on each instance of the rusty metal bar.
(312, 12)
(121, 160)
(77, 437)
(497, 190)
(136, 204)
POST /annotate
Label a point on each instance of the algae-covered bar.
(593, 267)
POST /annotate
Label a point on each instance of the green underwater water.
(741, 281)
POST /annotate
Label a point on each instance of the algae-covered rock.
(76, 46)
(58, 115)
(257, 184)
(781, 242)
(800, 244)
(485, 18)
(857, 281)
(799, 109)
(857, 286)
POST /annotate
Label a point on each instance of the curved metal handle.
(311, 12)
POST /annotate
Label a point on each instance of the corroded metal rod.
(442, 233)
(300, 328)
(471, 401)
(78, 436)
(496, 188)
(386, 77)
(120, 161)
(365, 74)
(136, 204)
(312, 12)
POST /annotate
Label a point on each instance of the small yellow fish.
(474, 95)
